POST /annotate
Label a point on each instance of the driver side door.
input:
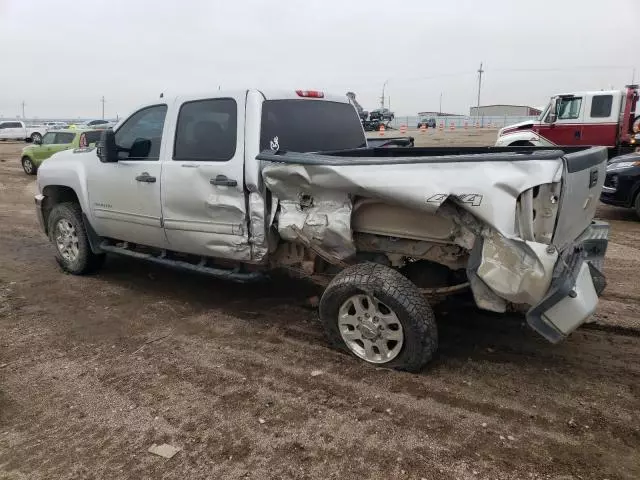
(567, 129)
(125, 196)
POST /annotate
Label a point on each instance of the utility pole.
(480, 72)
(382, 97)
(102, 100)
(23, 109)
(440, 107)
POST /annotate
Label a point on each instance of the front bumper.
(39, 199)
(577, 282)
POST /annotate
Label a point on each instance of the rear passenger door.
(203, 197)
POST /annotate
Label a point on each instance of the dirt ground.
(94, 370)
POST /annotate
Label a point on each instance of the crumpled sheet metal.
(488, 189)
(258, 227)
(513, 270)
(327, 222)
(517, 271)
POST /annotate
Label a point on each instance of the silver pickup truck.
(241, 183)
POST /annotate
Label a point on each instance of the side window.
(64, 138)
(207, 130)
(570, 108)
(91, 137)
(140, 136)
(49, 138)
(601, 106)
(4, 125)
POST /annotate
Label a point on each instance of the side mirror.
(555, 107)
(38, 141)
(107, 149)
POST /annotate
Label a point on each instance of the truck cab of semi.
(602, 118)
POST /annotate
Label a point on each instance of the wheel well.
(55, 194)
(521, 143)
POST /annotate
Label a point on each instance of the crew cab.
(239, 184)
(18, 130)
(608, 118)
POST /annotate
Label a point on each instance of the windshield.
(310, 126)
(544, 113)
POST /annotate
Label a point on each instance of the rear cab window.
(310, 126)
(601, 106)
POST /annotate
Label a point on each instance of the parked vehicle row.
(21, 131)
(18, 130)
(236, 185)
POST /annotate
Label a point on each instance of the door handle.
(224, 181)
(146, 178)
(577, 134)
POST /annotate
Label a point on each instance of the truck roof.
(591, 93)
(269, 94)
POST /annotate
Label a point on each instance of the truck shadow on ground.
(282, 302)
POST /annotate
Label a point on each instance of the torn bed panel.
(323, 217)
(488, 189)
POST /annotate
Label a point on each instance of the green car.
(55, 141)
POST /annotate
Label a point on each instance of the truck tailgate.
(582, 182)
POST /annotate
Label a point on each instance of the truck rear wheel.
(69, 237)
(380, 316)
(35, 137)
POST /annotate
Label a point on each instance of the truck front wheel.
(380, 316)
(69, 237)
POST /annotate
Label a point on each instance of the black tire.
(35, 137)
(85, 261)
(637, 204)
(28, 166)
(420, 333)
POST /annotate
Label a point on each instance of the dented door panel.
(203, 189)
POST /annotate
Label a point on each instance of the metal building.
(504, 110)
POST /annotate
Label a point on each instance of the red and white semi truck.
(607, 118)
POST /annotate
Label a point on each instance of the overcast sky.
(61, 56)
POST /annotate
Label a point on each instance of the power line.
(480, 72)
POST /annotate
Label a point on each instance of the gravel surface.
(96, 370)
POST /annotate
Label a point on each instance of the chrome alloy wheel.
(370, 329)
(66, 240)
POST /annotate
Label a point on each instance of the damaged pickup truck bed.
(383, 229)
